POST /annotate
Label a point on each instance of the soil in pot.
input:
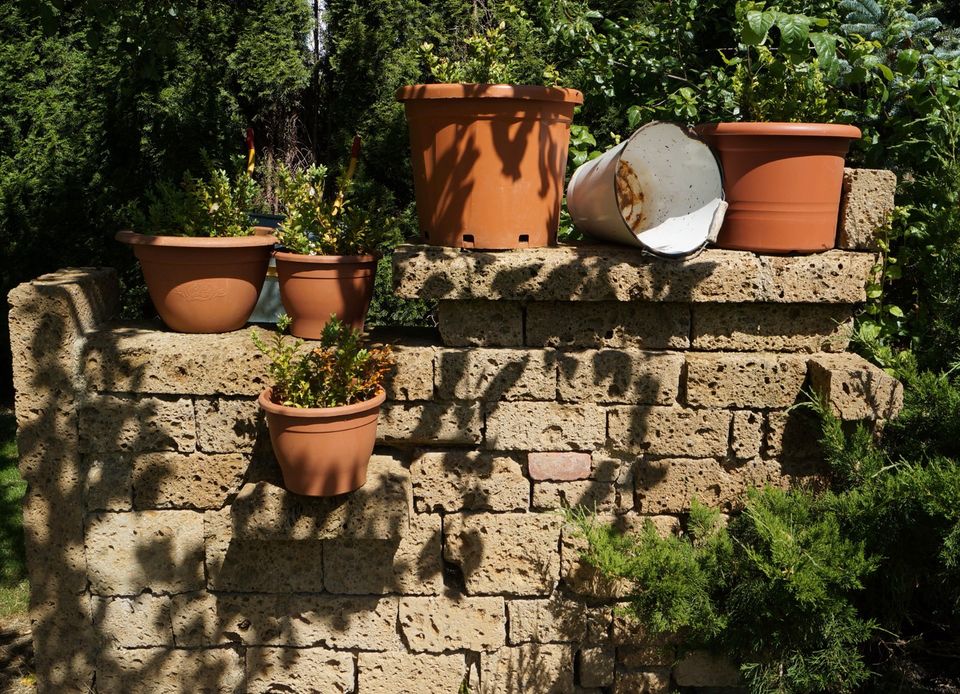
(315, 287)
(323, 451)
(202, 285)
(783, 183)
(489, 162)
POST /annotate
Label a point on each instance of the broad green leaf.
(907, 61)
(895, 311)
(758, 25)
(794, 30)
(885, 71)
(826, 46)
(633, 116)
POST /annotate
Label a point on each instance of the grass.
(13, 573)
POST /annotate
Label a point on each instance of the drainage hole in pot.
(523, 238)
(466, 241)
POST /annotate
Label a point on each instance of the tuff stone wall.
(165, 556)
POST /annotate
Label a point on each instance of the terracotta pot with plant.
(488, 155)
(203, 261)
(327, 263)
(782, 174)
(323, 406)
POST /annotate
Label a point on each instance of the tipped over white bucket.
(660, 190)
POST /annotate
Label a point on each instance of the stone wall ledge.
(379, 510)
(593, 272)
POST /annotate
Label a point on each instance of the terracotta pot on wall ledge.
(200, 284)
(489, 162)
(315, 287)
(323, 451)
(783, 183)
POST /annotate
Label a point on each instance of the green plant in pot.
(498, 183)
(203, 261)
(323, 406)
(782, 173)
(327, 263)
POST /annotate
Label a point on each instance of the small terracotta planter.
(315, 287)
(782, 182)
(323, 451)
(202, 285)
(489, 161)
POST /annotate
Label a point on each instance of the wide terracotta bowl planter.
(489, 162)
(323, 451)
(202, 285)
(315, 287)
(782, 182)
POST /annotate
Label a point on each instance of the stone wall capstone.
(165, 556)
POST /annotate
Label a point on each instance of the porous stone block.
(109, 484)
(196, 480)
(318, 670)
(411, 566)
(169, 671)
(431, 272)
(466, 480)
(439, 624)
(300, 621)
(702, 669)
(379, 510)
(528, 669)
(633, 656)
(133, 622)
(832, 277)
(591, 495)
(669, 431)
(559, 466)
(47, 319)
(252, 565)
(128, 553)
(656, 681)
(855, 388)
(618, 376)
(667, 486)
(505, 553)
(131, 359)
(772, 327)
(545, 426)
(865, 208)
(596, 666)
(426, 423)
(616, 325)
(423, 673)
(128, 424)
(53, 535)
(228, 425)
(584, 272)
(64, 642)
(496, 374)
(746, 436)
(793, 435)
(411, 377)
(757, 380)
(480, 323)
(557, 620)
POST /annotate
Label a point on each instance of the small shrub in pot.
(323, 406)
(203, 261)
(328, 261)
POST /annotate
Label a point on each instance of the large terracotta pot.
(489, 161)
(323, 451)
(202, 285)
(782, 182)
(315, 287)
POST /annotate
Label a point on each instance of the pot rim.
(288, 257)
(760, 128)
(132, 238)
(523, 92)
(271, 407)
